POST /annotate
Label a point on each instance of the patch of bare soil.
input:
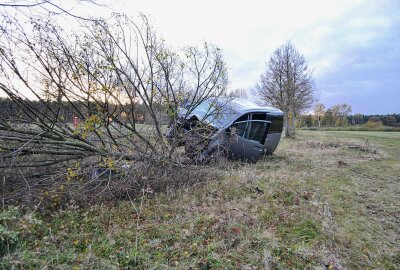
(337, 153)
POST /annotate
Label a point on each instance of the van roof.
(221, 112)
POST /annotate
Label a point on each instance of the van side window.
(258, 116)
(276, 123)
(257, 131)
(251, 127)
(240, 128)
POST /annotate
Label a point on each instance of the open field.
(354, 128)
(325, 200)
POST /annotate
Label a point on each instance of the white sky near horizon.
(352, 46)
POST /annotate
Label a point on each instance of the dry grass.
(325, 200)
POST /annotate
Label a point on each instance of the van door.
(247, 139)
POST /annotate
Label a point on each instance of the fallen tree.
(103, 73)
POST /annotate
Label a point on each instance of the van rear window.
(276, 123)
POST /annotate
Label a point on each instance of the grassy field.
(355, 128)
(325, 200)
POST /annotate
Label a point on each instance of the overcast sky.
(352, 46)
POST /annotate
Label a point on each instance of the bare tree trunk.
(286, 125)
(293, 125)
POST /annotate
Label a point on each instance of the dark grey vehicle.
(245, 129)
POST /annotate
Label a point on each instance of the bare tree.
(319, 110)
(340, 113)
(102, 73)
(52, 7)
(238, 92)
(287, 84)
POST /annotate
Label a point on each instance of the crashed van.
(238, 127)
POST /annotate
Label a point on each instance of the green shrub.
(374, 124)
(16, 227)
(9, 234)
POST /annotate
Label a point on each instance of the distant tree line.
(67, 111)
(340, 116)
